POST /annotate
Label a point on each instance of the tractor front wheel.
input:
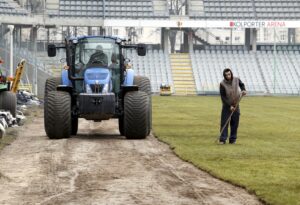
(51, 84)
(57, 117)
(136, 111)
(144, 85)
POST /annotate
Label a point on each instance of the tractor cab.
(94, 65)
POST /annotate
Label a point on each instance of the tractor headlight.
(88, 88)
(105, 88)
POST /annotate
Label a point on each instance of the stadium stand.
(71, 8)
(284, 9)
(245, 9)
(10, 7)
(160, 8)
(284, 79)
(208, 67)
(220, 9)
(196, 8)
(155, 65)
(111, 9)
(154, 9)
(255, 69)
(129, 9)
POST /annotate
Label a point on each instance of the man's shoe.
(222, 142)
(231, 142)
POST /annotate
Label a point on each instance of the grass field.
(266, 158)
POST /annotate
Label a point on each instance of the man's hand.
(244, 92)
(1, 61)
(232, 108)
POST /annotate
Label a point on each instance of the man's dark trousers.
(234, 124)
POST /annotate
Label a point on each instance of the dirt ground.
(100, 167)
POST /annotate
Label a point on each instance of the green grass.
(266, 158)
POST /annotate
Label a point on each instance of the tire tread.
(58, 115)
(136, 110)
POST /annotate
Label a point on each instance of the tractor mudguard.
(128, 81)
(65, 78)
(65, 88)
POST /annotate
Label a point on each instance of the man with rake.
(232, 89)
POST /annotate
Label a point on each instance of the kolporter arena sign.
(257, 24)
(187, 23)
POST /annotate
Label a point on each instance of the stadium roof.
(159, 23)
(147, 13)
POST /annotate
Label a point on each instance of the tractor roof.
(109, 37)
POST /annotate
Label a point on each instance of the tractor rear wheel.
(144, 85)
(51, 84)
(136, 111)
(8, 102)
(57, 115)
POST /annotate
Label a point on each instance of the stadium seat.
(158, 70)
(130, 9)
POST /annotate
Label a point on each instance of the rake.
(229, 118)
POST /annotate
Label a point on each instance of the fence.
(35, 72)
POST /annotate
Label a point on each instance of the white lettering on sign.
(276, 24)
(256, 24)
(182, 23)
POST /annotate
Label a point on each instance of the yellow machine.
(165, 90)
(17, 78)
(8, 89)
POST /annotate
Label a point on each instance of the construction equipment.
(165, 90)
(8, 99)
(12, 83)
(18, 75)
(91, 87)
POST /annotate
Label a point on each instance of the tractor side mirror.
(51, 50)
(141, 49)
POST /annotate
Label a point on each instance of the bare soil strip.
(98, 166)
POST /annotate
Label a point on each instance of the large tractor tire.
(57, 117)
(144, 85)
(136, 111)
(51, 84)
(8, 102)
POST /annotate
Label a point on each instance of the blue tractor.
(96, 85)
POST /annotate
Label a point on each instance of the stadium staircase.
(197, 38)
(183, 78)
(262, 74)
(288, 58)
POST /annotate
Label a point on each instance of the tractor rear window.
(98, 50)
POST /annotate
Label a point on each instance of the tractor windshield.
(96, 52)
